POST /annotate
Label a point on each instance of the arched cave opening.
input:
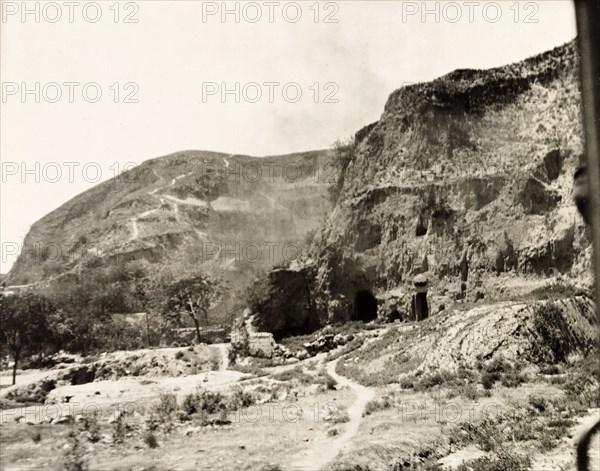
(365, 307)
(394, 316)
(421, 228)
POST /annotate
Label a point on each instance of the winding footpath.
(324, 451)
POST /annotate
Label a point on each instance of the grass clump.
(485, 434)
(250, 369)
(337, 416)
(296, 374)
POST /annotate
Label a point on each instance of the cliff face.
(227, 215)
(467, 179)
(464, 177)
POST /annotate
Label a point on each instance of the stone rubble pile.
(323, 344)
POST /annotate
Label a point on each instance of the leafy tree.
(148, 290)
(83, 322)
(24, 327)
(191, 297)
(78, 314)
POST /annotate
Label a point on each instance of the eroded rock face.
(513, 331)
(508, 330)
(536, 197)
(447, 183)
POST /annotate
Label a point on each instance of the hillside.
(461, 189)
(465, 180)
(229, 215)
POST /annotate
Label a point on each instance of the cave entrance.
(365, 307)
(394, 316)
(420, 308)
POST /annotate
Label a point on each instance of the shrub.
(551, 344)
(583, 384)
(150, 439)
(91, 428)
(326, 380)
(484, 434)
(119, 433)
(35, 435)
(550, 370)
(501, 370)
(407, 382)
(167, 405)
(204, 401)
(74, 458)
(540, 404)
(489, 379)
(378, 404)
(212, 402)
(338, 417)
(215, 361)
(471, 392)
(344, 153)
(497, 365)
(271, 467)
(162, 412)
(558, 380)
(190, 404)
(503, 461)
(179, 355)
(240, 399)
(513, 379)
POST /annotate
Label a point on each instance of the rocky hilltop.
(464, 181)
(229, 215)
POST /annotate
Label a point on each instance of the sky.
(90, 89)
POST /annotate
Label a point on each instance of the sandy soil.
(324, 451)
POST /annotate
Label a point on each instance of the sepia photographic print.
(299, 235)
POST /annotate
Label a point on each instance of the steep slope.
(228, 215)
(466, 180)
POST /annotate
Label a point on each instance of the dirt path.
(563, 457)
(135, 232)
(325, 450)
(224, 349)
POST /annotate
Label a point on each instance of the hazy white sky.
(171, 58)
